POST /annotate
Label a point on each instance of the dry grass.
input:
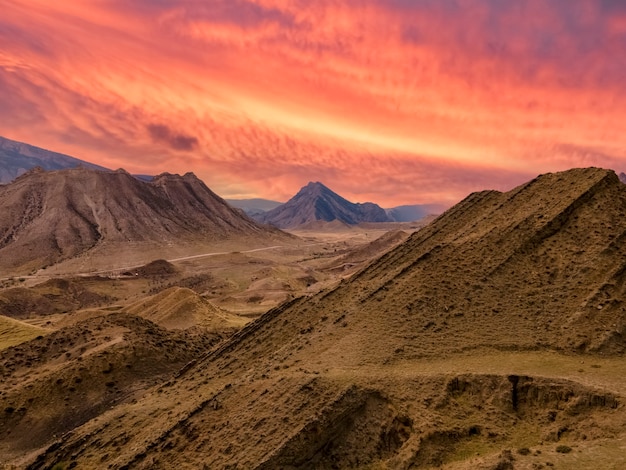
(13, 332)
(487, 332)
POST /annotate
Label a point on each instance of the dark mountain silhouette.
(364, 375)
(316, 202)
(50, 216)
(17, 158)
(254, 207)
(410, 213)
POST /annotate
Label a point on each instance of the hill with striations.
(17, 158)
(316, 202)
(51, 216)
(499, 326)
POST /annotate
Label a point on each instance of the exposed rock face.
(51, 216)
(342, 379)
(316, 202)
(17, 158)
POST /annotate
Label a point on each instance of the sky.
(390, 101)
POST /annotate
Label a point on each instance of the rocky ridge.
(348, 378)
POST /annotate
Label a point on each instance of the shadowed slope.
(369, 373)
(47, 298)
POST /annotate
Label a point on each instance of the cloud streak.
(395, 101)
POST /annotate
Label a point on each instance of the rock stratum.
(51, 216)
(469, 340)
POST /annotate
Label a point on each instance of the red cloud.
(394, 101)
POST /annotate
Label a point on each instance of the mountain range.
(256, 208)
(49, 216)
(486, 331)
(17, 158)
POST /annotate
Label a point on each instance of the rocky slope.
(316, 202)
(17, 158)
(51, 216)
(471, 338)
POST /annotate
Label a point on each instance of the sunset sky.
(391, 101)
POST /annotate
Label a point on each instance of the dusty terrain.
(492, 338)
(84, 342)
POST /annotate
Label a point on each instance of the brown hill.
(157, 268)
(47, 298)
(181, 308)
(51, 216)
(499, 326)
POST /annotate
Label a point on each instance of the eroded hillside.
(493, 338)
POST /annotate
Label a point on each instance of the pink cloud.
(394, 101)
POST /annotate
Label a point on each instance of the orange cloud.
(394, 101)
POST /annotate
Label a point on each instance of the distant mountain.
(51, 216)
(254, 207)
(316, 202)
(414, 212)
(17, 158)
(622, 177)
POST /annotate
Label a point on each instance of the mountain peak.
(316, 202)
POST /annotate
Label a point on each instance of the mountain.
(622, 177)
(254, 207)
(51, 216)
(499, 326)
(415, 212)
(409, 213)
(17, 158)
(316, 202)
